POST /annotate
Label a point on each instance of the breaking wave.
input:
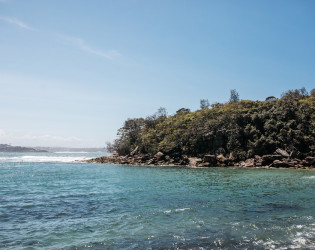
(65, 159)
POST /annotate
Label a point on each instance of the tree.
(110, 147)
(313, 92)
(296, 94)
(270, 98)
(204, 103)
(161, 112)
(234, 97)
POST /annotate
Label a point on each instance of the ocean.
(49, 201)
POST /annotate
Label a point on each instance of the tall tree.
(204, 103)
(234, 97)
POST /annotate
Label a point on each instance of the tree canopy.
(241, 129)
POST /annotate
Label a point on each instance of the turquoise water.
(47, 202)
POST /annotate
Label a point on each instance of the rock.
(222, 159)
(283, 164)
(144, 158)
(309, 161)
(282, 152)
(194, 161)
(258, 161)
(184, 160)
(268, 159)
(295, 154)
(159, 156)
(124, 162)
(249, 163)
(210, 159)
(151, 161)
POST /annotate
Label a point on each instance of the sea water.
(50, 201)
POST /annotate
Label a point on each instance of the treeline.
(238, 129)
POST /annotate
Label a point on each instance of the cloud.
(77, 42)
(81, 44)
(17, 22)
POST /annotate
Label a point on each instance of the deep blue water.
(47, 202)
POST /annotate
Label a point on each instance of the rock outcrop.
(280, 160)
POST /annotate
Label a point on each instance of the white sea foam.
(176, 210)
(64, 159)
(71, 152)
(309, 177)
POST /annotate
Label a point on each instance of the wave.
(72, 152)
(176, 210)
(309, 177)
(64, 159)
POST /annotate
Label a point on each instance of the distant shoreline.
(5, 148)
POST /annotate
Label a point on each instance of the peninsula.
(277, 132)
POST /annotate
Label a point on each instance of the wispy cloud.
(81, 44)
(75, 41)
(17, 22)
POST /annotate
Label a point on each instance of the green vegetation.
(239, 129)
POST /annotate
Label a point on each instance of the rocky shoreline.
(280, 159)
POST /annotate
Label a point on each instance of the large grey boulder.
(282, 152)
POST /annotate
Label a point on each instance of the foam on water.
(309, 177)
(71, 152)
(176, 210)
(64, 159)
(61, 157)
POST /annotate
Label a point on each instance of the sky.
(71, 72)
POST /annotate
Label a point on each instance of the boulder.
(309, 161)
(268, 159)
(249, 163)
(258, 161)
(283, 164)
(221, 158)
(194, 161)
(151, 161)
(282, 152)
(210, 159)
(159, 156)
(144, 158)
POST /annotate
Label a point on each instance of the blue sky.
(71, 72)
